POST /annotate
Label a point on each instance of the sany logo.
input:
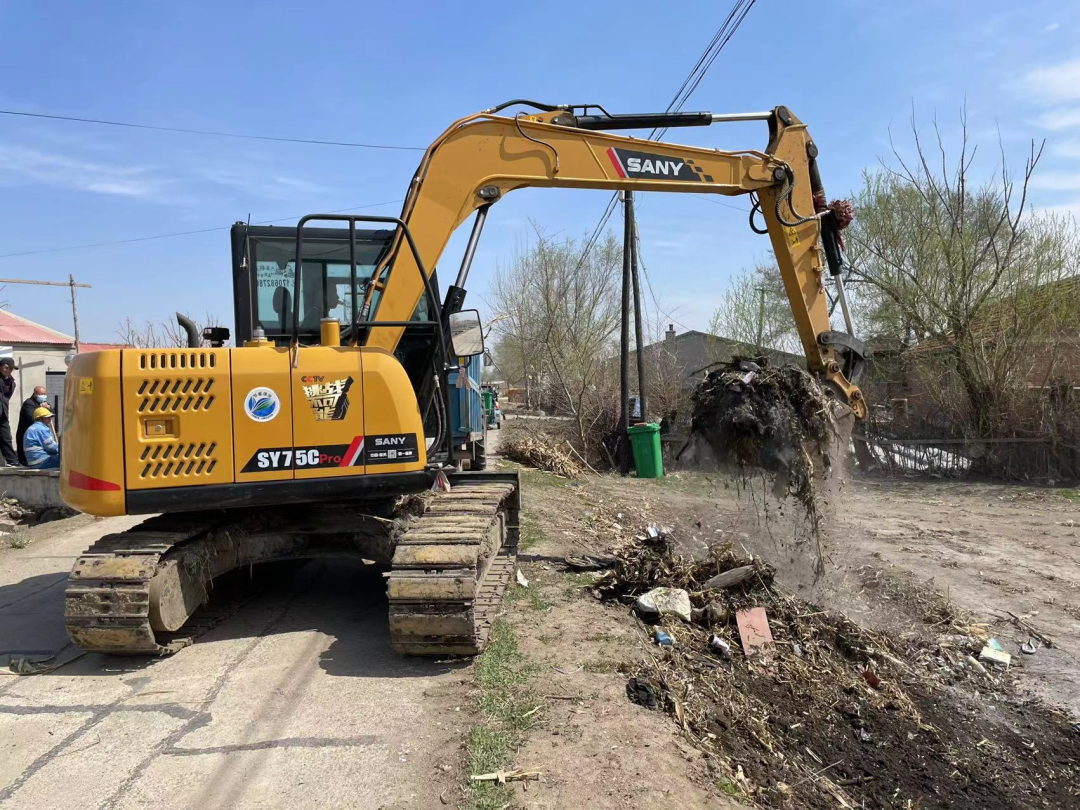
(657, 166)
(642, 165)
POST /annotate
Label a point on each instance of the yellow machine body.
(212, 440)
(146, 428)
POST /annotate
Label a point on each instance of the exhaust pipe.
(188, 325)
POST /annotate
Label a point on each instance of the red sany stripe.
(353, 453)
(82, 481)
(615, 162)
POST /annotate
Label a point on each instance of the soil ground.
(294, 699)
(892, 550)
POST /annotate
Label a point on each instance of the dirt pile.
(756, 416)
(543, 453)
(12, 510)
(832, 715)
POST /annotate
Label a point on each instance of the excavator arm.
(480, 158)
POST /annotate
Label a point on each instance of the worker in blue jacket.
(39, 444)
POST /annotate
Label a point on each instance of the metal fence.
(1023, 458)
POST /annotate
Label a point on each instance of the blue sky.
(398, 73)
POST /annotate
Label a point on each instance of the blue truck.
(468, 423)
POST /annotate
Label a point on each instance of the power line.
(690, 83)
(723, 34)
(648, 282)
(721, 38)
(212, 133)
(707, 198)
(184, 233)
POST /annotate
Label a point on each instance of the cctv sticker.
(262, 404)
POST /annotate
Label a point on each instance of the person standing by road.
(40, 445)
(26, 418)
(7, 391)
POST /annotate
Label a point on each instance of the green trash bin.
(645, 440)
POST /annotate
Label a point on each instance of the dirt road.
(295, 700)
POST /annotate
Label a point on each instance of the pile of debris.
(13, 510)
(13, 515)
(543, 453)
(795, 706)
(753, 415)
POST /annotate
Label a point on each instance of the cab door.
(328, 412)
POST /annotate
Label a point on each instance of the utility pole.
(624, 339)
(761, 320)
(637, 309)
(74, 311)
(69, 283)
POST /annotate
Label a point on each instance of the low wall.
(34, 489)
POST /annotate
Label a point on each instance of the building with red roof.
(37, 351)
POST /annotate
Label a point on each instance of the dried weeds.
(543, 453)
(831, 714)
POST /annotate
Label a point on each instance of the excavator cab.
(264, 290)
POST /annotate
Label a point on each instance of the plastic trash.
(995, 656)
(642, 693)
(663, 638)
(720, 646)
(664, 602)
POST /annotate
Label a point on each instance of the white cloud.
(1067, 149)
(258, 179)
(1068, 209)
(1060, 118)
(1053, 83)
(1056, 181)
(21, 164)
(1054, 26)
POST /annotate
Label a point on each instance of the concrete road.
(294, 700)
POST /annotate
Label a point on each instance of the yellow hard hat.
(40, 412)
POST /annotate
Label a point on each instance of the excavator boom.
(480, 158)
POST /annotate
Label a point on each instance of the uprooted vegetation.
(756, 416)
(544, 453)
(833, 715)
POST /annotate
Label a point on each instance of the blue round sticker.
(262, 404)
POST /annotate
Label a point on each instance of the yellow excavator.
(343, 421)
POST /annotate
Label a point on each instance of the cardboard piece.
(753, 628)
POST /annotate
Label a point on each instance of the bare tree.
(667, 380)
(579, 305)
(517, 324)
(963, 274)
(557, 307)
(161, 334)
(756, 310)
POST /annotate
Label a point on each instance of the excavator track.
(451, 568)
(135, 591)
(109, 602)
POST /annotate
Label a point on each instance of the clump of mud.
(754, 416)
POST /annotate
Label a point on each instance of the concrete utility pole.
(624, 338)
(761, 320)
(74, 311)
(69, 283)
(642, 407)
